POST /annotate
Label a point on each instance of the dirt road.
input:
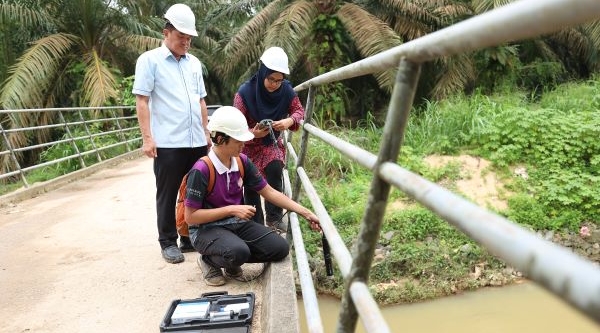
(84, 258)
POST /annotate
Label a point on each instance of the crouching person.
(220, 224)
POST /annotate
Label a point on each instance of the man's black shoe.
(185, 244)
(172, 254)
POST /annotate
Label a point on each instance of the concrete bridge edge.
(279, 306)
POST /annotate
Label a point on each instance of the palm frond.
(410, 19)
(413, 19)
(578, 43)
(61, 87)
(544, 50)
(227, 11)
(481, 6)
(457, 71)
(204, 6)
(292, 27)
(592, 30)
(371, 37)
(246, 45)
(206, 48)
(154, 24)
(151, 27)
(11, 12)
(576, 49)
(99, 82)
(34, 71)
(139, 43)
(452, 13)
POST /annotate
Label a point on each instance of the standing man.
(172, 116)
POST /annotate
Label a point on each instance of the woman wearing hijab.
(270, 98)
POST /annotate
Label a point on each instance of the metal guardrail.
(124, 128)
(575, 280)
(75, 120)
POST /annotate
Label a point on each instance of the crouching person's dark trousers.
(233, 245)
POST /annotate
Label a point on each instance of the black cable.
(327, 256)
(272, 134)
(260, 237)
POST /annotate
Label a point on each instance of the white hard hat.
(182, 18)
(275, 59)
(231, 121)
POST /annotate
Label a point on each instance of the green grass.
(555, 139)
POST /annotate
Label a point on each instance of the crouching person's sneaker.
(234, 272)
(213, 276)
(172, 254)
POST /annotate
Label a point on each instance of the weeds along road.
(85, 258)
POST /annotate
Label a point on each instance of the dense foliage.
(558, 141)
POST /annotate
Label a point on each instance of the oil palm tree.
(568, 53)
(86, 41)
(352, 30)
(215, 21)
(83, 47)
(412, 19)
(317, 36)
(291, 25)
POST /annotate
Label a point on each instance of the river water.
(518, 308)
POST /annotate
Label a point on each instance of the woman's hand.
(283, 124)
(260, 132)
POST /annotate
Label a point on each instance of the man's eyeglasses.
(274, 81)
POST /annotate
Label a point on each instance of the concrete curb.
(280, 309)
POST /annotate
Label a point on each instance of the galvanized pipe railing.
(73, 143)
(559, 270)
(120, 129)
(70, 136)
(10, 150)
(364, 303)
(310, 105)
(370, 315)
(352, 152)
(393, 135)
(338, 248)
(516, 21)
(576, 280)
(366, 306)
(307, 288)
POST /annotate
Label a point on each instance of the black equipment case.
(211, 313)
